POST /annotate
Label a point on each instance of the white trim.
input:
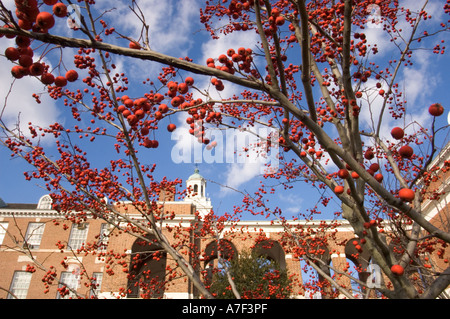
(336, 255)
(177, 295)
(432, 207)
(29, 213)
(24, 258)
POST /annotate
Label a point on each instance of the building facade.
(43, 256)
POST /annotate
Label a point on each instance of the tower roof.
(196, 175)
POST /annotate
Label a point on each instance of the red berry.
(122, 108)
(339, 189)
(436, 109)
(406, 194)
(45, 20)
(241, 51)
(279, 21)
(134, 45)
(22, 41)
(189, 81)
(37, 69)
(171, 127)
(397, 133)
(343, 173)
(176, 101)
(369, 155)
(71, 75)
(182, 88)
(26, 61)
(12, 53)
(163, 108)
(379, 177)
(60, 81)
(60, 10)
(406, 151)
(236, 57)
(223, 58)
(158, 115)
(18, 71)
(172, 86)
(397, 270)
(47, 78)
(24, 24)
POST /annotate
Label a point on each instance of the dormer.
(45, 202)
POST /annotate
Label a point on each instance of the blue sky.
(179, 33)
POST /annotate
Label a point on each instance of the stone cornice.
(29, 213)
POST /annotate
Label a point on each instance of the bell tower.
(196, 193)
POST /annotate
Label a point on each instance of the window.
(19, 285)
(34, 234)
(69, 283)
(96, 284)
(45, 202)
(103, 238)
(78, 235)
(195, 189)
(3, 228)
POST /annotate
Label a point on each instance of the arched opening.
(146, 278)
(271, 250)
(212, 262)
(318, 286)
(195, 190)
(360, 258)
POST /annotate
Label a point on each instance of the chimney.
(166, 194)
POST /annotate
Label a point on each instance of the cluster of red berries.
(31, 18)
(135, 111)
(242, 57)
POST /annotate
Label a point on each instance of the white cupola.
(196, 193)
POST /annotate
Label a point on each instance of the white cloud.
(17, 103)
(171, 23)
(238, 174)
(244, 168)
(292, 203)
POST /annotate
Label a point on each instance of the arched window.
(45, 202)
(195, 190)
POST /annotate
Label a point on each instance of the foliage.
(254, 276)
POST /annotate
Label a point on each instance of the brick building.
(35, 237)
